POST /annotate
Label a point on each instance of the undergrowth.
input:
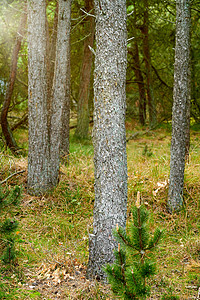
(53, 229)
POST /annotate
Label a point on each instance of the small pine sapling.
(8, 226)
(133, 258)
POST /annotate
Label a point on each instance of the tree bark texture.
(84, 87)
(61, 90)
(109, 137)
(39, 174)
(181, 100)
(10, 141)
(147, 59)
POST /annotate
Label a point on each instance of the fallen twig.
(139, 133)
(133, 136)
(16, 173)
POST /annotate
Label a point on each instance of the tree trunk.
(51, 53)
(109, 136)
(181, 102)
(10, 141)
(84, 87)
(147, 59)
(138, 73)
(61, 90)
(140, 82)
(64, 144)
(39, 175)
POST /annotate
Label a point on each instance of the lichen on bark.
(181, 104)
(109, 137)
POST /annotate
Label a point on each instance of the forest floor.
(52, 239)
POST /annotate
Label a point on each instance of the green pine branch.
(8, 226)
(128, 275)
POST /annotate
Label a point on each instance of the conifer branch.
(140, 235)
(134, 280)
(122, 265)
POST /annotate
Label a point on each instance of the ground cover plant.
(53, 229)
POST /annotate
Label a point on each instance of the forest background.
(64, 214)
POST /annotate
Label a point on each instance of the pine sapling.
(8, 225)
(133, 258)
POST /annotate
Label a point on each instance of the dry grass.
(53, 239)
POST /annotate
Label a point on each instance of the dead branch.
(16, 173)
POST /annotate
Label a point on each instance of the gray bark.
(61, 90)
(181, 98)
(109, 137)
(64, 147)
(39, 177)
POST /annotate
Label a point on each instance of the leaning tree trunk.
(61, 90)
(84, 87)
(109, 137)
(39, 176)
(10, 141)
(181, 97)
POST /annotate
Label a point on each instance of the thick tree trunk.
(10, 141)
(61, 90)
(84, 87)
(147, 59)
(109, 136)
(39, 175)
(181, 104)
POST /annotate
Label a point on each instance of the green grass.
(53, 229)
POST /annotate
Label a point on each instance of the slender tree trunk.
(141, 87)
(109, 136)
(61, 90)
(10, 141)
(147, 59)
(138, 74)
(187, 142)
(39, 174)
(84, 87)
(64, 24)
(181, 102)
(51, 52)
(194, 90)
(22, 121)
